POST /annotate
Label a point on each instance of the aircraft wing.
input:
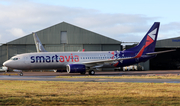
(118, 59)
(153, 53)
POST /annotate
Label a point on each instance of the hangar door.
(166, 61)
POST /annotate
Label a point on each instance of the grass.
(88, 93)
(167, 76)
(10, 74)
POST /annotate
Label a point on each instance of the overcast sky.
(123, 20)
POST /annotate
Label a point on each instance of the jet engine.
(76, 68)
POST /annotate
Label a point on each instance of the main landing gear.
(83, 73)
(91, 72)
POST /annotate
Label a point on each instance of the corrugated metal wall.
(102, 47)
(53, 47)
(73, 47)
(111, 47)
(3, 54)
(93, 47)
(168, 43)
(30, 48)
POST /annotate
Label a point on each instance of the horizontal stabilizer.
(153, 53)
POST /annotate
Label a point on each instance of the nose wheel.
(21, 74)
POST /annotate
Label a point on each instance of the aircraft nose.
(6, 63)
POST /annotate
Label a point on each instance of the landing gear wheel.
(91, 72)
(21, 74)
(83, 73)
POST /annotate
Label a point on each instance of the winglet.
(83, 50)
(38, 43)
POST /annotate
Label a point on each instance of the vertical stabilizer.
(38, 44)
(149, 40)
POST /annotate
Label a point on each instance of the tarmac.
(51, 76)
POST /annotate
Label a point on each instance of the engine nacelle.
(76, 68)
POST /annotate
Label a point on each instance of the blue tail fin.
(149, 40)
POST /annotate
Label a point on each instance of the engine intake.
(76, 68)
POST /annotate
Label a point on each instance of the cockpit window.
(14, 59)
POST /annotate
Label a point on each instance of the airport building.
(62, 37)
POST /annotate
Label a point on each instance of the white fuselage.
(56, 60)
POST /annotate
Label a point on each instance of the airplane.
(80, 62)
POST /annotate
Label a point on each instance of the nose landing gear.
(21, 74)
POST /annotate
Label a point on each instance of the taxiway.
(51, 76)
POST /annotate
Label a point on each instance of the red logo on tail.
(149, 40)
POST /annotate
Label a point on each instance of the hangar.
(61, 37)
(167, 61)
